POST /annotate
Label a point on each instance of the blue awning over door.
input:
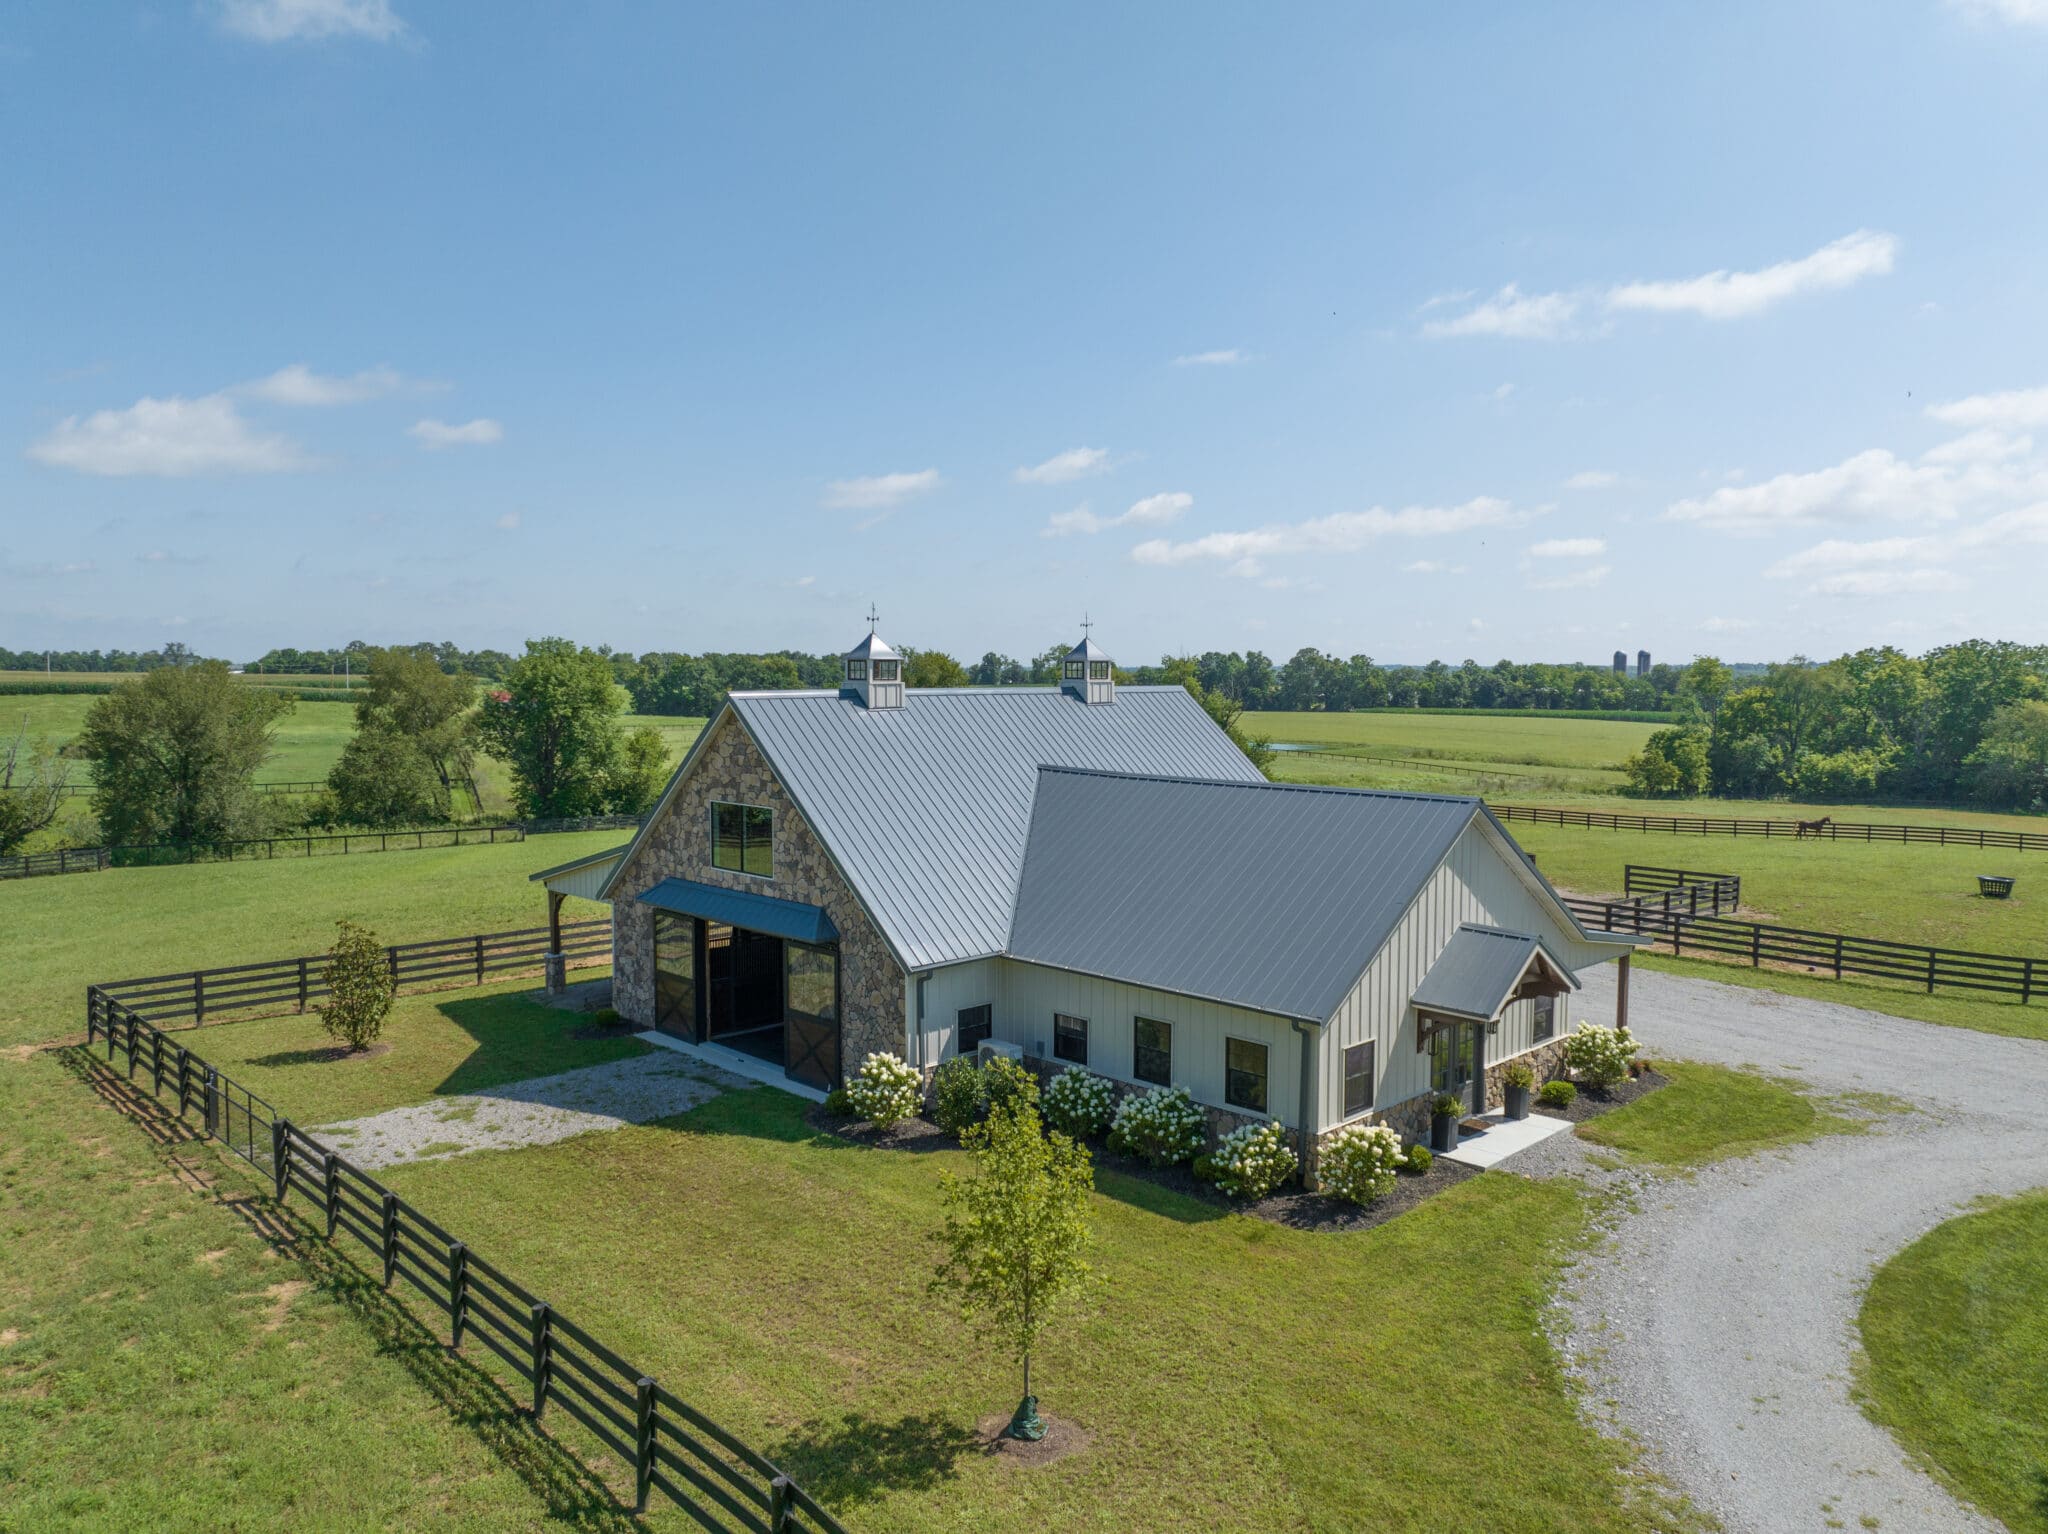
(790, 919)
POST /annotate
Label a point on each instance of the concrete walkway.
(538, 1111)
(1718, 1323)
(1505, 1137)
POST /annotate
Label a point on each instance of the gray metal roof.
(1479, 969)
(1267, 895)
(1087, 649)
(927, 808)
(583, 862)
(872, 646)
(743, 908)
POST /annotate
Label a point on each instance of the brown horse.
(1806, 828)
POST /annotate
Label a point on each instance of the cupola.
(872, 673)
(1088, 673)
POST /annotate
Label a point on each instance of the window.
(813, 980)
(743, 839)
(975, 1024)
(1070, 1038)
(1244, 1074)
(1450, 1057)
(1357, 1078)
(856, 671)
(1546, 1017)
(1098, 670)
(885, 670)
(1152, 1051)
(1076, 669)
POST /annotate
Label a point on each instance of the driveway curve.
(1717, 1325)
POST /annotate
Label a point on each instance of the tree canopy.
(554, 720)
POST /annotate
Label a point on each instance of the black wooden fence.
(258, 848)
(1834, 831)
(673, 1448)
(1685, 889)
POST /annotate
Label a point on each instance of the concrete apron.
(736, 1063)
(1502, 1137)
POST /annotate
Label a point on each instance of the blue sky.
(1411, 331)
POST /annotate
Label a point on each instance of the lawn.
(1953, 1337)
(1709, 1113)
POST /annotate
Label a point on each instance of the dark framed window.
(1244, 1074)
(1358, 1078)
(1076, 670)
(885, 670)
(1070, 1038)
(1098, 670)
(1546, 1017)
(975, 1024)
(856, 671)
(1152, 1051)
(812, 983)
(743, 839)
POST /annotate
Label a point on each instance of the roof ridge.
(1305, 788)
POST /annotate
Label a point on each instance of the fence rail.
(1833, 831)
(672, 1447)
(1686, 888)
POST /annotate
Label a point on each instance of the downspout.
(1311, 1065)
(921, 979)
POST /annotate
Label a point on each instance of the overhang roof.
(743, 908)
(1480, 969)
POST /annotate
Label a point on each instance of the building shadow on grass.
(516, 1040)
(850, 1460)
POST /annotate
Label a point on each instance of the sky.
(1411, 331)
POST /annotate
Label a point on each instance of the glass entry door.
(1454, 1058)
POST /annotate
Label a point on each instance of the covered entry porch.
(1481, 972)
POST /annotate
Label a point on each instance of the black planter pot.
(1443, 1132)
(1517, 1102)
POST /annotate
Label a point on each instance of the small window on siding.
(1357, 1078)
(1152, 1051)
(1546, 1017)
(975, 1024)
(1070, 1038)
(1244, 1074)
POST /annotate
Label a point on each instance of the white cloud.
(1569, 548)
(298, 384)
(2012, 410)
(1726, 625)
(508, 521)
(172, 438)
(1575, 580)
(1724, 295)
(1158, 509)
(439, 434)
(1343, 532)
(2018, 12)
(1840, 554)
(1063, 468)
(1152, 511)
(1985, 445)
(1512, 313)
(1431, 567)
(873, 491)
(279, 21)
(1230, 357)
(1503, 391)
(1886, 583)
(1593, 479)
(807, 580)
(1871, 486)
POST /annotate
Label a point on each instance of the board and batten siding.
(946, 992)
(1477, 882)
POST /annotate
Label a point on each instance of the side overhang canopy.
(585, 878)
(790, 919)
(1482, 969)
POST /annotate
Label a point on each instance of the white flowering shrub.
(1078, 1103)
(1252, 1161)
(1161, 1127)
(1359, 1163)
(887, 1091)
(1600, 1055)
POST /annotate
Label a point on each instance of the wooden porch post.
(555, 966)
(1621, 994)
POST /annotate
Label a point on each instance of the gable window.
(857, 671)
(973, 1025)
(1076, 670)
(1546, 1017)
(1244, 1074)
(1357, 1078)
(1098, 670)
(1152, 1051)
(743, 839)
(885, 670)
(1070, 1038)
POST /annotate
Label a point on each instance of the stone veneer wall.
(731, 768)
(1410, 1117)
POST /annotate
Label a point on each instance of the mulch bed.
(1061, 1439)
(911, 1135)
(1594, 1101)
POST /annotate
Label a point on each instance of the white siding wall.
(1477, 883)
(946, 992)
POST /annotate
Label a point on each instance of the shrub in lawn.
(958, 1094)
(1558, 1094)
(1420, 1157)
(1078, 1103)
(606, 1017)
(1005, 1084)
(1253, 1160)
(1519, 1074)
(1160, 1127)
(1601, 1055)
(1359, 1163)
(887, 1091)
(838, 1103)
(359, 986)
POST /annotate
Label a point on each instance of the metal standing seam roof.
(1272, 896)
(742, 908)
(574, 863)
(1479, 969)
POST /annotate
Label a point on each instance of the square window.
(1152, 1051)
(1070, 1038)
(1357, 1078)
(1244, 1074)
(974, 1025)
(743, 839)
(1546, 1017)
(1076, 670)
(1098, 670)
(856, 671)
(885, 670)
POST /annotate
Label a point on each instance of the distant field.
(1461, 753)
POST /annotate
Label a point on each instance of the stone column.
(556, 968)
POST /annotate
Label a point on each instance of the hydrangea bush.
(1600, 1055)
(887, 1091)
(1359, 1163)
(1252, 1161)
(1161, 1127)
(1078, 1103)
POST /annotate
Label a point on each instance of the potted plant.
(1516, 1080)
(1443, 1121)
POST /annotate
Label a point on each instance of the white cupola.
(872, 673)
(1088, 673)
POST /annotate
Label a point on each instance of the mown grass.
(1953, 1336)
(1709, 1113)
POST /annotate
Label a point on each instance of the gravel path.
(1717, 1322)
(535, 1112)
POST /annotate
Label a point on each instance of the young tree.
(32, 779)
(174, 753)
(555, 721)
(1228, 712)
(1015, 1235)
(359, 986)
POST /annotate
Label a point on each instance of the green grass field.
(1953, 1337)
(1709, 1113)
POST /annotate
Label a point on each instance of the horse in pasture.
(1806, 828)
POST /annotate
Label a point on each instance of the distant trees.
(932, 668)
(32, 782)
(174, 654)
(555, 722)
(1227, 712)
(414, 745)
(1672, 764)
(174, 753)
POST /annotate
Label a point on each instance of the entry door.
(675, 974)
(1453, 1059)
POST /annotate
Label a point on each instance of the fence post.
(1756, 946)
(391, 959)
(479, 959)
(184, 1079)
(198, 996)
(643, 1444)
(1930, 971)
(1838, 955)
(390, 1234)
(458, 1291)
(778, 1505)
(210, 1087)
(131, 1047)
(302, 985)
(156, 1063)
(2026, 981)
(330, 1189)
(280, 1156)
(543, 1340)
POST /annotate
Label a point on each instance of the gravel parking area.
(1716, 1323)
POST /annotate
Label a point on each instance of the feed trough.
(1994, 886)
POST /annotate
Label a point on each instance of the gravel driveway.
(1718, 1323)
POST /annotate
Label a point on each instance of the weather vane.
(873, 617)
(1085, 625)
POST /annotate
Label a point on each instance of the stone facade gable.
(678, 845)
